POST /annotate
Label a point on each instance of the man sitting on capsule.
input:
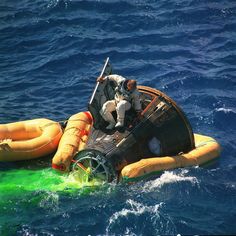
(126, 96)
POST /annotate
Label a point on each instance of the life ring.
(74, 139)
(206, 150)
(30, 139)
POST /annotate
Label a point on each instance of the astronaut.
(126, 96)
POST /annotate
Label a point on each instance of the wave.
(225, 118)
(225, 110)
(136, 216)
(170, 177)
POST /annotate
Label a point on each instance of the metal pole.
(95, 90)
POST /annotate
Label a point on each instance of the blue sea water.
(51, 52)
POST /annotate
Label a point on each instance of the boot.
(110, 126)
(120, 123)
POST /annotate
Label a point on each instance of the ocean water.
(51, 52)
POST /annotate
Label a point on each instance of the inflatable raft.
(28, 139)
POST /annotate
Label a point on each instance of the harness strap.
(121, 90)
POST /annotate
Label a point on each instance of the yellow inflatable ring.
(206, 150)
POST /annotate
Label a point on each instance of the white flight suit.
(122, 102)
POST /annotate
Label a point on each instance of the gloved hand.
(100, 79)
